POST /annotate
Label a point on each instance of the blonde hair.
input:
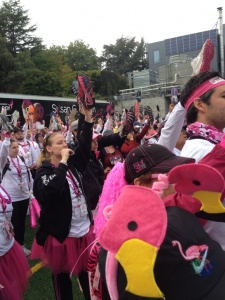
(45, 155)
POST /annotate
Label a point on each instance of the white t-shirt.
(176, 151)
(5, 242)
(196, 148)
(18, 188)
(80, 221)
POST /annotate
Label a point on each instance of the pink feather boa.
(111, 191)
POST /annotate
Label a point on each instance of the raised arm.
(171, 131)
(82, 154)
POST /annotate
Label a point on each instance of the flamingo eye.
(132, 226)
(196, 182)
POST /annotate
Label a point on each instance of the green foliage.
(139, 62)
(49, 60)
(13, 81)
(24, 61)
(81, 57)
(105, 83)
(26, 66)
(125, 56)
(6, 64)
(15, 28)
(37, 82)
(111, 83)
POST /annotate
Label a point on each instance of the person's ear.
(199, 104)
(136, 181)
(48, 149)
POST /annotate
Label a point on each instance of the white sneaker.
(26, 251)
(201, 63)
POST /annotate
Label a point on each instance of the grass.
(40, 284)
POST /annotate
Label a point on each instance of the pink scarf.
(206, 132)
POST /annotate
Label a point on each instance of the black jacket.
(93, 180)
(52, 191)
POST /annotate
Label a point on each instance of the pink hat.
(96, 135)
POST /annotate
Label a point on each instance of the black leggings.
(63, 286)
(18, 219)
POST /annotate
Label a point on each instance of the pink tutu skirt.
(70, 256)
(14, 273)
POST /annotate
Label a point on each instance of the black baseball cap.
(155, 158)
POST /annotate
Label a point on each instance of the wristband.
(63, 162)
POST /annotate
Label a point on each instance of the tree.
(38, 82)
(81, 57)
(49, 60)
(15, 28)
(7, 64)
(125, 56)
(111, 83)
(53, 60)
(139, 62)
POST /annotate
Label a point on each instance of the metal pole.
(220, 9)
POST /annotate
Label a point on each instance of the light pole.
(221, 45)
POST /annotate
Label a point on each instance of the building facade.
(170, 62)
(186, 46)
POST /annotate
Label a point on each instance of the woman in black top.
(65, 231)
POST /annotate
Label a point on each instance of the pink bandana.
(203, 88)
(207, 132)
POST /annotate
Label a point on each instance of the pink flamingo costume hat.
(136, 235)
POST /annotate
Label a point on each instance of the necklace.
(71, 181)
(74, 185)
(17, 166)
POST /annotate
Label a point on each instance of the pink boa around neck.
(207, 132)
(111, 191)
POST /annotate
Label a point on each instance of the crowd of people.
(130, 203)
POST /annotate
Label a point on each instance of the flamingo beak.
(138, 259)
(211, 202)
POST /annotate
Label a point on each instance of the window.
(156, 56)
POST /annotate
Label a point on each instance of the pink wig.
(111, 191)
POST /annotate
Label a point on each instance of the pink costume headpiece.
(203, 88)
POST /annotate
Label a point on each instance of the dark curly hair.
(190, 86)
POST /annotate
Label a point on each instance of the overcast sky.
(99, 22)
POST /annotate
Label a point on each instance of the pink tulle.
(61, 258)
(111, 191)
(14, 273)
